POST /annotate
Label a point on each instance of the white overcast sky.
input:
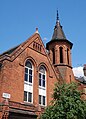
(78, 71)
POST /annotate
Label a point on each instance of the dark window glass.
(39, 75)
(30, 78)
(53, 51)
(26, 77)
(43, 76)
(43, 100)
(30, 72)
(25, 96)
(61, 55)
(39, 99)
(68, 55)
(26, 70)
(40, 82)
(43, 83)
(29, 97)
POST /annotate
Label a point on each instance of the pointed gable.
(34, 42)
(32, 47)
(38, 45)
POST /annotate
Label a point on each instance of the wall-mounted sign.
(6, 95)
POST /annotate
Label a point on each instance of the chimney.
(84, 69)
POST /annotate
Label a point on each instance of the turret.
(60, 52)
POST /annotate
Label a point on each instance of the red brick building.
(29, 71)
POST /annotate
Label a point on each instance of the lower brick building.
(29, 71)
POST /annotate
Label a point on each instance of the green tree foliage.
(66, 104)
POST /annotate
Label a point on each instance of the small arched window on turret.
(53, 54)
(68, 55)
(61, 54)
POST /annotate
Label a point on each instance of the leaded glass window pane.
(43, 81)
(30, 78)
(26, 70)
(30, 72)
(39, 82)
(26, 77)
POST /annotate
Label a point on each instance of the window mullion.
(42, 79)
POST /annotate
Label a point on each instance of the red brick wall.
(13, 76)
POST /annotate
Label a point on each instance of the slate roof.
(81, 79)
(58, 32)
(9, 51)
(58, 36)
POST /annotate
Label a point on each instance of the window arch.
(42, 85)
(28, 82)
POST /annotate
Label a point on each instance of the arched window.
(61, 54)
(28, 82)
(53, 51)
(42, 76)
(42, 85)
(68, 55)
(28, 71)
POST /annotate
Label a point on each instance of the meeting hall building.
(29, 71)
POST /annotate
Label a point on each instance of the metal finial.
(36, 30)
(57, 19)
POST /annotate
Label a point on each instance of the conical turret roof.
(58, 34)
(58, 31)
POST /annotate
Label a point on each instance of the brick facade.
(12, 74)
